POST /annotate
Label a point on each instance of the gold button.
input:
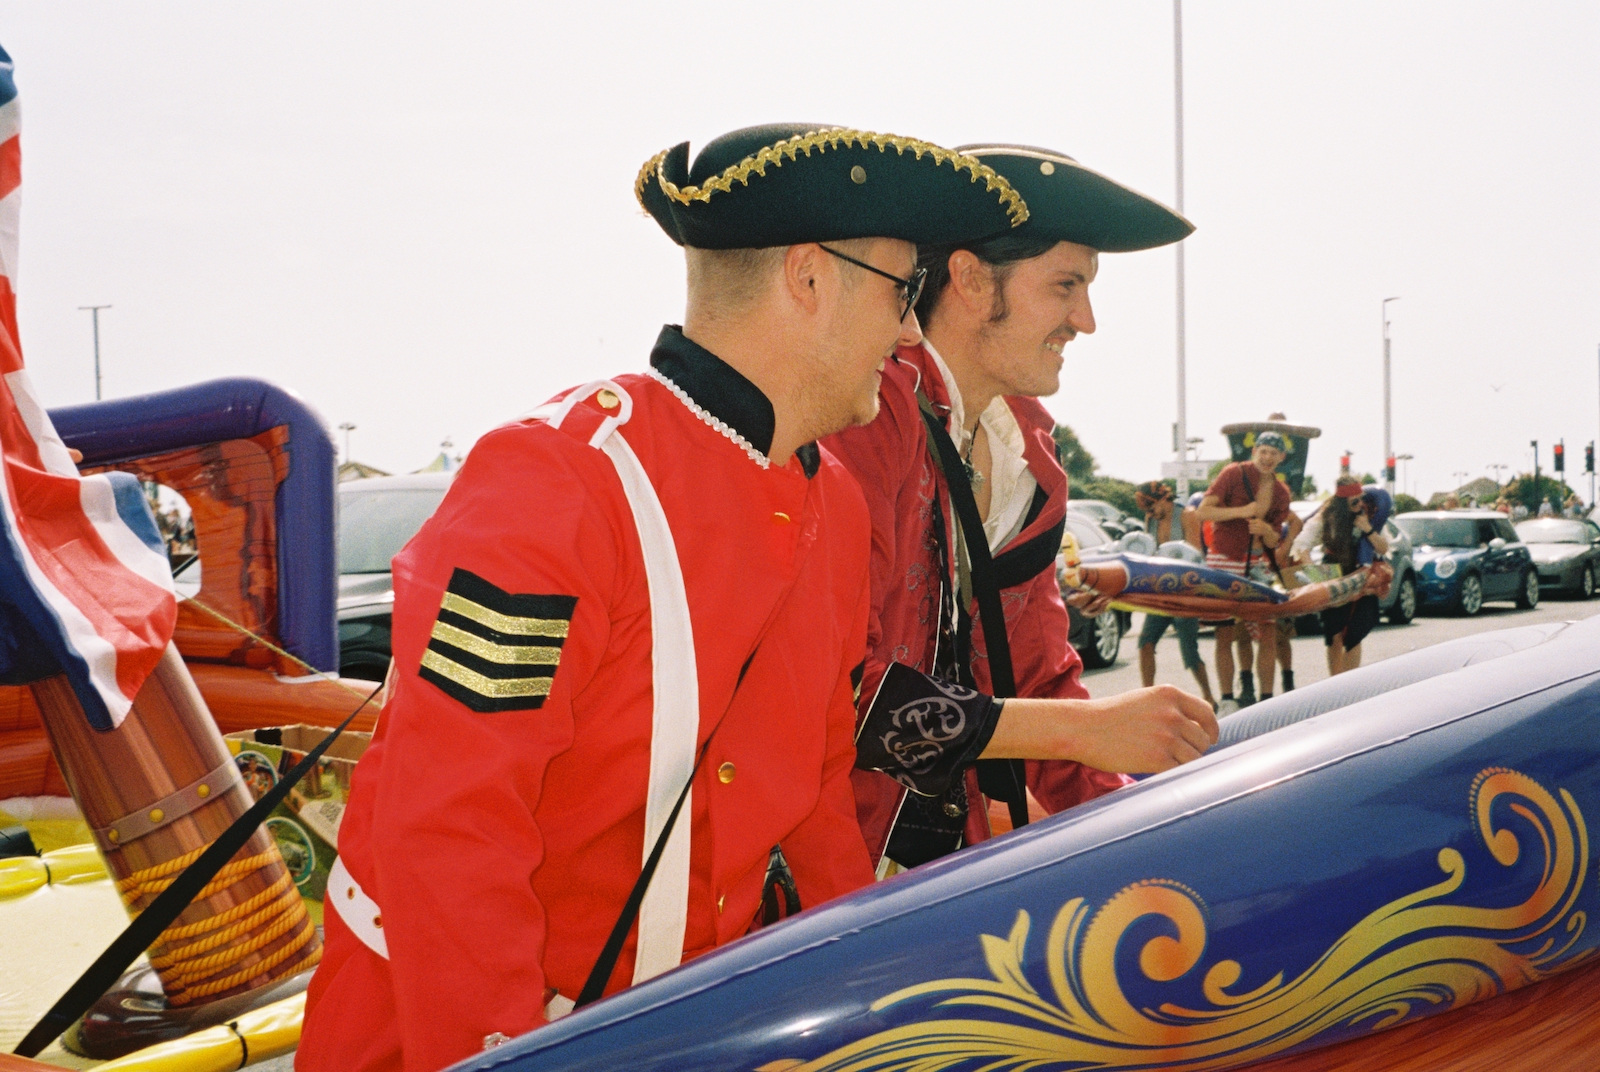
(202, 790)
(377, 921)
(726, 772)
(112, 835)
(1047, 168)
(350, 894)
(724, 897)
(952, 810)
(607, 399)
(156, 815)
(858, 175)
(781, 518)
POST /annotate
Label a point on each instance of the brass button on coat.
(607, 398)
(725, 773)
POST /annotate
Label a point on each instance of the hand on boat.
(1139, 732)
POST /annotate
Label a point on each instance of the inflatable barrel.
(156, 791)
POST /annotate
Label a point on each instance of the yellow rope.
(229, 929)
(190, 930)
(244, 975)
(181, 965)
(187, 970)
(270, 646)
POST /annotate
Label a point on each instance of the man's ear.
(972, 282)
(802, 265)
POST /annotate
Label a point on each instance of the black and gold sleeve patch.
(495, 650)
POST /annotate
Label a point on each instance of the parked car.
(377, 517)
(1566, 553)
(1468, 557)
(1104, 514)
(1097, 640)
(1400, 604)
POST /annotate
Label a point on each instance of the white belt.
(361, 914)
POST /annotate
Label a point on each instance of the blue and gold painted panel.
(1395, 858)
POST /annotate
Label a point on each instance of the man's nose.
(910, 330)
(1082, 318)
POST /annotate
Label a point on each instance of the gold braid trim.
(821, 141)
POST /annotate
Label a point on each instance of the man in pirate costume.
(968, 506)
(629, 632)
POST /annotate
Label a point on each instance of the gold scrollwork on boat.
(1418, 954)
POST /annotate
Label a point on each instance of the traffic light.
(1388, 470)
(1588, 458)
(1561, 457)
(1344, 462)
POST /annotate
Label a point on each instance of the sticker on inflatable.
(299, 855)
(259, 772)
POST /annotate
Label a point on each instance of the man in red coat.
(996, 315)
(634, 621)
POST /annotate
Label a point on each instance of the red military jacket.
(907, 497)
(501, 838)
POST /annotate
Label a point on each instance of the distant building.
(1483, 490)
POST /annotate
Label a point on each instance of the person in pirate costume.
(630, 630)
(968, 506)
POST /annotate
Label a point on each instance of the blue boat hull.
(1383, 861)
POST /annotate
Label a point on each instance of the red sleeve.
(826, 851)
(458, 787)
(1280, 503)
(1047, 667)
(883, 456)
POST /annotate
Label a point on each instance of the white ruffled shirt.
(1011, 485)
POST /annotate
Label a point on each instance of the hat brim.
(1073, 203)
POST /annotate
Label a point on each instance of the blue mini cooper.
(1466, 557)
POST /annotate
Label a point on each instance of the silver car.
(377, 517)
(1566, 553)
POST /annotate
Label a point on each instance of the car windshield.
(1552, 532)
(1087, 532)
(375, 524)
(1440, 531)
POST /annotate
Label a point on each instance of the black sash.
(1003, 779)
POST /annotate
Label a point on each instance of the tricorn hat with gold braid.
(1071, 203)
(788, 183)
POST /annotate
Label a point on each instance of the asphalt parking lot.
(1309, 663)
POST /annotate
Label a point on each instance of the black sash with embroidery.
(1002, 779)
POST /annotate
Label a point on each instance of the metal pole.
(1183, 384)
(1389, 484)
(94, 312)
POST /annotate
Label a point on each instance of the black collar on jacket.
(722, 391)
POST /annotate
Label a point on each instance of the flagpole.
(1181, 446)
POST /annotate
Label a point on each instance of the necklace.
(975, 478)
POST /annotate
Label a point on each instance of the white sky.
(420, 216)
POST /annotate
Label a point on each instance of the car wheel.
(1528, 598)
(1586, 583)
(1469, 599)
(1405, 601)
(1105, 641)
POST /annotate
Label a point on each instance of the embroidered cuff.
(923, 733)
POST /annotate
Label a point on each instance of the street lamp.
(94, 311)
(347, 428)
(1405, 480)
(1497, 469)
(1386, 409)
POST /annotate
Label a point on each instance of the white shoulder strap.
(675, 724)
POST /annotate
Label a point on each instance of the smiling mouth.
(1055, 346)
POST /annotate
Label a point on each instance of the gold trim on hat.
(821, 141)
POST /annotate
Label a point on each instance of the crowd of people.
(1241, 524)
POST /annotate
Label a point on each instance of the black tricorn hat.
(1069, 202)
(788, 183)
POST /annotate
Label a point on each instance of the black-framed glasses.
(910, 289)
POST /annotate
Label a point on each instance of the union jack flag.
(85, 586)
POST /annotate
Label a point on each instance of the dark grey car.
(1566, 552)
